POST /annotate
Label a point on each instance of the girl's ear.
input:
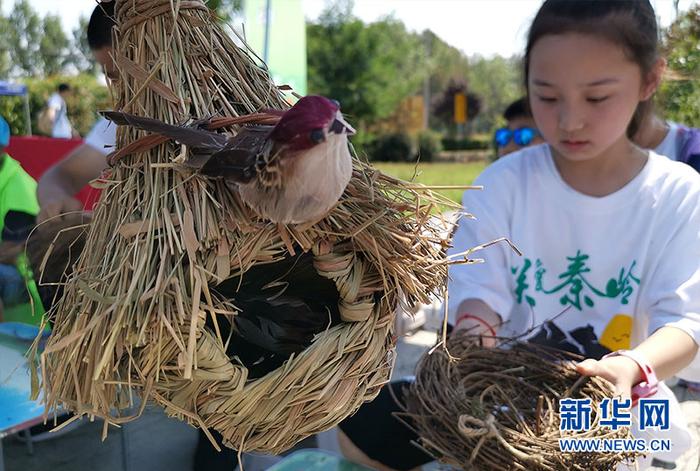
(653, 79)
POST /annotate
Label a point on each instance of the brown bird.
(292, 172)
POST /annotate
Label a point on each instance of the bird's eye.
(317, 136)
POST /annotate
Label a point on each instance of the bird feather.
(241, 158)
(187, 135)
(282, 305)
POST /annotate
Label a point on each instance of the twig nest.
(498, 409)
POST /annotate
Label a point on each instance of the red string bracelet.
(466, 315)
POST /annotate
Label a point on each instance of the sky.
(483, 27)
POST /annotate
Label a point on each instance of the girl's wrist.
(627, 366)
(643, 377)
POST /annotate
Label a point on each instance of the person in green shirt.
(18, 210)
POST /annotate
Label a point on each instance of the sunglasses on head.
(521, 136)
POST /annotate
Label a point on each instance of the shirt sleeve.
(674, 284)
(489, 281)
(103, 136)
(54, 102)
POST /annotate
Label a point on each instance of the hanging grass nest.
(497, 409)
(149, 308)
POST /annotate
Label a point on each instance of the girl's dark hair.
(630, 24)
(99, 30)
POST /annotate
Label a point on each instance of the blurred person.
(675, 141)
(18, 210)
(520, 130)
(58, 186)
(57, 113)
(60, 183)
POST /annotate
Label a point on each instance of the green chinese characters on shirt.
(572, 285)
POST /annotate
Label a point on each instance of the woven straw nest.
(498, 409)
(139, 318)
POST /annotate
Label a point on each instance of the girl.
(609, 232)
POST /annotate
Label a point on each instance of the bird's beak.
(340, 126)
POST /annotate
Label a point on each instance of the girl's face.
(583, 93)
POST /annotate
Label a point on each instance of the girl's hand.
(477, 318)
(621, 371)
(478, 327)
(66, 204)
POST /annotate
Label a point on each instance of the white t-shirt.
(61, 126)
(102, 136)
(629, 259)
(668, 146)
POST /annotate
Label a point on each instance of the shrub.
(362, 143)
(429, 146)
(396, 147)
(88, 96)
(466, 144)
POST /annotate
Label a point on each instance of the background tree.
(24, 38)
(448, 67)
(5, 59)
(498, 82)
(679, 96)
(368, 68)
(443, 104)
(80, 55)
(226, 10)
(447, 64)
(54, 46)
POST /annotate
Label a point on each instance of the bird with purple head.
(292, 172)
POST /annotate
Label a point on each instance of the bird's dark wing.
(283, 306)
(187, 135)
(283, 325)
(240, 159)
(296, 273)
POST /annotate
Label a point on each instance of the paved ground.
(157, 443)
(690, 404)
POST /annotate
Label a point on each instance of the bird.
(290, 173)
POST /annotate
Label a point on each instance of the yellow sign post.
(460, 108)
